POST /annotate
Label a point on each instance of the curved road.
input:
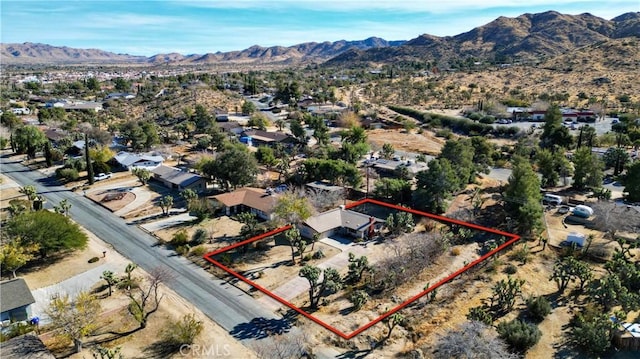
(225, 304)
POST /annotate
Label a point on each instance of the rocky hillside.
(31, 53)
(506, 39)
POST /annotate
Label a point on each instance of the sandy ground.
(425, 143)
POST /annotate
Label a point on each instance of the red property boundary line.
(512, 238)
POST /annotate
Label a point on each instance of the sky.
(149, 27)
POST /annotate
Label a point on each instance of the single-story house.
(83, 106)
(26, 346)
(175, 178)
(248, 199)
(15, 301)
(340, 221)
(55, 134)
(231, 127)
(124, 95)
(130, 160)
(390, 167)
(259, 137)
(21, 111)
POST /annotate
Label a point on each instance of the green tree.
(592, 330)
(392, 190)
(93, 84)
(296, 242)
(258, 120)
(63, 207)
(28, 140)
(355, 135)
(505, 293)
(435, 186)
(14, 255)
(460, 154)
(266, 156)
(121, 85)
(330, 284)
(143, 174)
(387, 151)
(483, 152)
(30, 191)
(523, 198)
(358, 298)
(519, 335)
(165, 204)
(554, 134)
(234, 167)
(10, 120)
(75, 318)
(52, 232)
(110, 278)
(248, 108)
(632, 182)
(357, 267)
(298, 131)
(189, 196)
(292, 207)
(547, 168)
(588, 169)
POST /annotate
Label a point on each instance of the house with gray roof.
(130, 160)
(340, 221)
(15, 301)
(176, 178)
(26, 346)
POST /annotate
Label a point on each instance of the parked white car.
(102, 176)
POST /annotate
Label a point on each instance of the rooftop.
(14, 294)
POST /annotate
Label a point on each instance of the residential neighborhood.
(370, 204)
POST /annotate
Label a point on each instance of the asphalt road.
(228, 306)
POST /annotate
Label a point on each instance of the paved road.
(227, 305)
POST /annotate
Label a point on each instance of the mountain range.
(524, 37)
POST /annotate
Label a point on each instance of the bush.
(93, 260)
(183, 250)
(480, 314)
(519, 335)
(198, 251)
(488, 120)
(199, 236)
(101, 167)
(184, 332)
(67, 174)
(538, 308)
(510, 269)
(180, 238)
(318, 254)
(455, 251)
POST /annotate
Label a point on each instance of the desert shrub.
(182, 332)
(358, 298)
(488, 119)
(101, 167)
(480, 314)
(407, 260)
(180, 238)
(538, 308)
(510, 269)
(592, 330)
(77, 163)
(93, 260)
(198, 251)
(471, 340)
(183, 250)
(519, 335)
(318, 254)
(444, 133)
(199, 236)
(455, 251)
(521, 254)
(67, 174)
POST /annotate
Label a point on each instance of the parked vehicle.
(552, 199)
(102, 176)
(583, 211)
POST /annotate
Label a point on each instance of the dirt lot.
(425, 143)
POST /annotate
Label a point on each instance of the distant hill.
(528, 36)
(524, 37)
(33, 53)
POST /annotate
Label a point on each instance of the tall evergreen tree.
(523, 198)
